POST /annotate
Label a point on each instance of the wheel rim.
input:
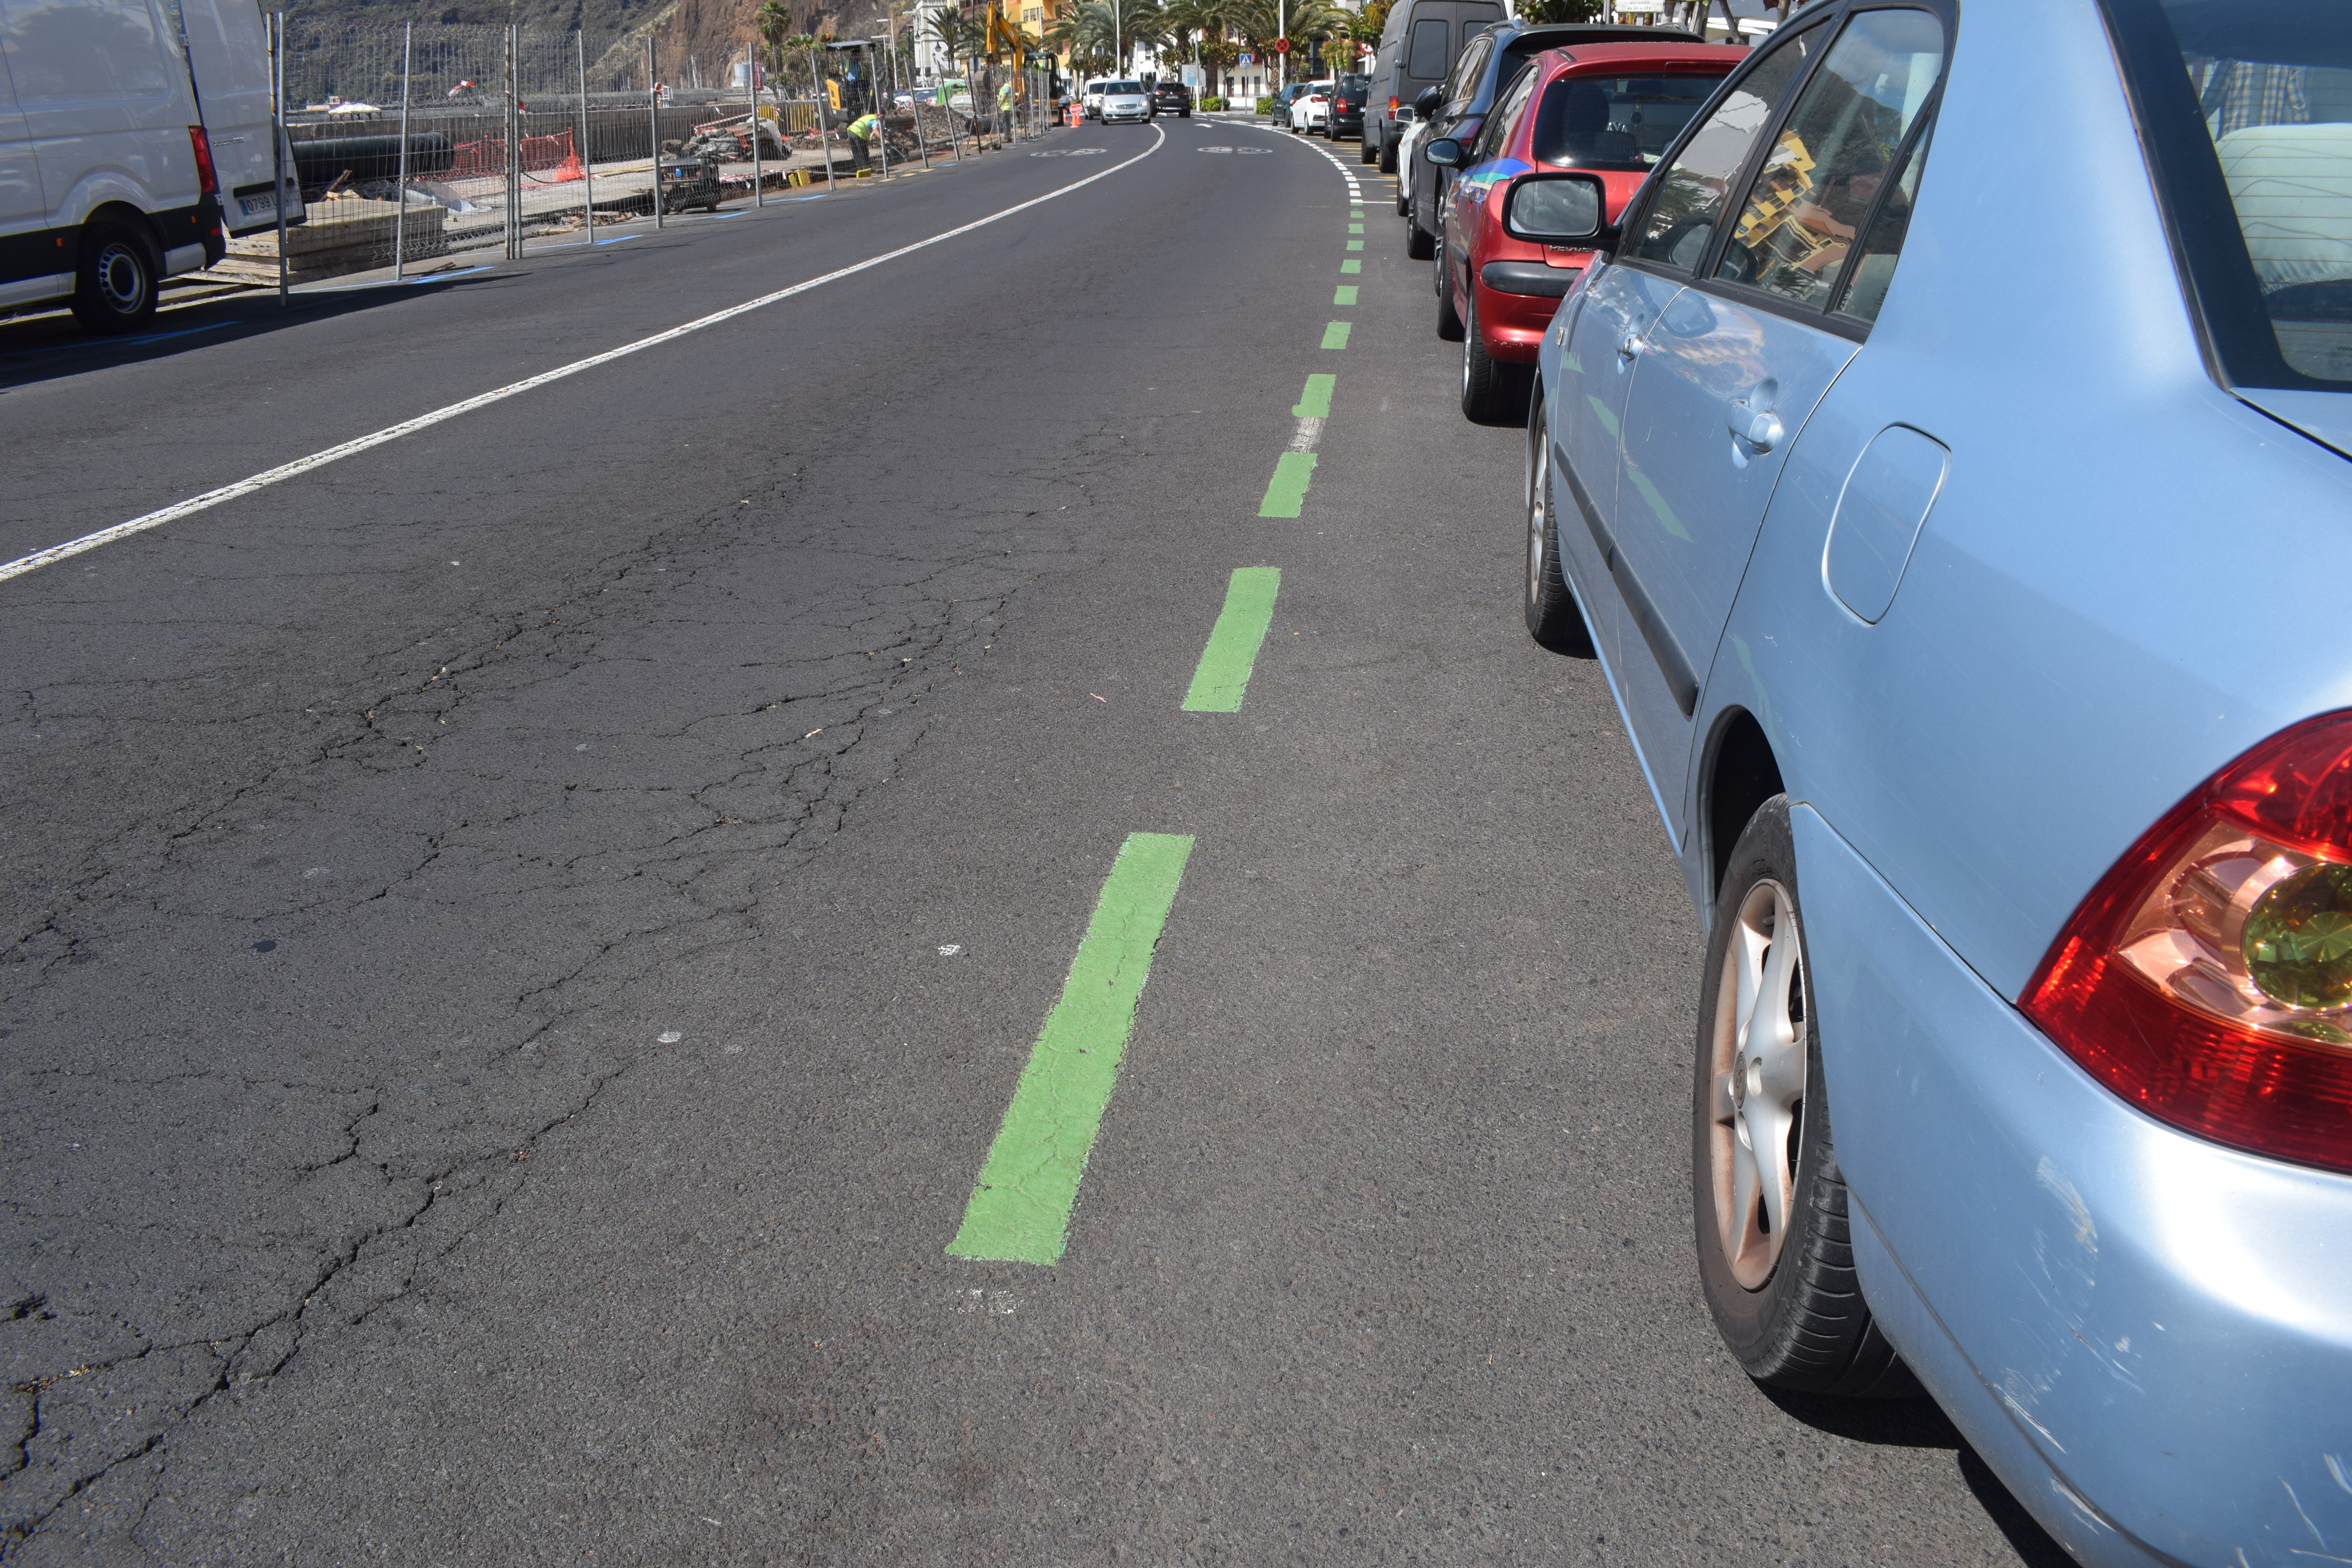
(1539, 473)
(121, 281)
(1757, 1082)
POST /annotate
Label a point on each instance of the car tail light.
(206, 183)
(2207, 978)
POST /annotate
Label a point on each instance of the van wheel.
(1388, 159)
(1775, 1248)
(1371, 150)
(115, 278)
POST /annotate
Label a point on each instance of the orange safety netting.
(554, 156)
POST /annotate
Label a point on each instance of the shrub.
(1265, 105)
(1210, 105)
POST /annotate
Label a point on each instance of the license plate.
(265, 203)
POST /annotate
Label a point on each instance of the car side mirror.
(1427, 103)
(1445, 152)
(1556, 209)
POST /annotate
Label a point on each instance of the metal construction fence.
(423, 148)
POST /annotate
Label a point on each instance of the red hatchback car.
(1601, 111)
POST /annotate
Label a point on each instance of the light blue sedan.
(1948, 468)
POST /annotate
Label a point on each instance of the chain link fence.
(429, 148)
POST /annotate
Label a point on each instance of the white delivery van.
(134, 139)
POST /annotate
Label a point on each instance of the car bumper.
(1109, 116)
(2147, 1336)
(1517, 301)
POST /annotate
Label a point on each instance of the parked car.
(1284, 97)
(1172, 98)
(1349, 94)
(1419, 44)
(1458, 106)
(1093, 99)
(2025, 863)
(1608, 108)
(1310, 109)
(1124, 100)
(135, 138)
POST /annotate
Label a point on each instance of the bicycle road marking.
(1335, 334)
(300, 466)
(1286, 493)
(1221, 677)
(1020, 1208)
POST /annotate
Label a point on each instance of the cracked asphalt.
(486, 1081)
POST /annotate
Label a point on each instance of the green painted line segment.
(1350, 269)
(1315, 402)
(1020, 1211)
(1335, 334)
(1226, 663)
(1355, 228)
(1286, 493)
(1355, 245)
(1345, 294)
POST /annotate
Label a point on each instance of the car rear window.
(1616, 122)
(2246, 107)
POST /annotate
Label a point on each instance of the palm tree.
(774, 22)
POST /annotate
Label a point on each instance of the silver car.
(1125, 101)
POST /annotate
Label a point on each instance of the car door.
(1664, 241)
(1430, 183)
(1732, 366)
(96, 84)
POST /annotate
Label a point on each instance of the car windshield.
(2247, 106)
(1123, 87)
(1615, 122)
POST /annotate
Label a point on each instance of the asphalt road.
(525, 935)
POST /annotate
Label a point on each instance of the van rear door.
(229, 55)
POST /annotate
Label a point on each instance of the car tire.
(1494, 391)
(1787, 1301)
(1554, 621)
(1449, 317)
(1371, 151)
(116, 276)
(1419, 243)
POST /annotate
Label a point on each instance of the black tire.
(1388, 159)
(1553, 619)
(1419, 243)
(115, 277)
(1371, 151)
(1449, 319)
(1788, 1306)
(1494, 391)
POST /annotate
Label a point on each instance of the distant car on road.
(1311, 110)
(1124, 100)
(1172, 98)
(1283, 98)
(1347, 96)
(1973, 628)
(1093, 99)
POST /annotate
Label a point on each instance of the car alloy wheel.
(1553, 619)
(1758, 1091)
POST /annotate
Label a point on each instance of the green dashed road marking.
(1350, 269)
(1019, 1212)
(1335, 334)
(1355, 245)
(1286, 493)
(1355, 228)
(1315, 402)
(1345, 294)
(1226, 663)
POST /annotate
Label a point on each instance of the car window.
(1690, 195)
(1427, 59)
(1615, 122)
(1462, 82)
(1866, 285)
(1507, 114)
(1832, 155)
(2246, 113)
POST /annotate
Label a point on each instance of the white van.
(135, 140)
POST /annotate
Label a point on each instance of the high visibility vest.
(862, 127)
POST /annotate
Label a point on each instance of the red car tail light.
(207, 183)
(2207, 978)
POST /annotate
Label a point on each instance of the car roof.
(1725, 54)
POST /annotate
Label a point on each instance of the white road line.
(300, 466)
(1310, 431)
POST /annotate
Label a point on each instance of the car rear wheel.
(1775, 1248)
(1371, 151)
(115, 278)
(1553, 619)
(1449, 319)
(1419, 243)
(1494, 391)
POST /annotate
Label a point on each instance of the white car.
(1310, 111)
(1124, 101)
(1094, 96)
(1408, 149)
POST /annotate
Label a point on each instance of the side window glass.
(1865, 286)
(1427, 59)
(1506, 115)
(1464, 77)
(1691, 193)
(1833, 155)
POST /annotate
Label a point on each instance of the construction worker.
(861, 136)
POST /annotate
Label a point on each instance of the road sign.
(1281, 45)
(1641, 7)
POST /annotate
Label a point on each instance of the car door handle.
(1760, 427)
(1631, 347)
